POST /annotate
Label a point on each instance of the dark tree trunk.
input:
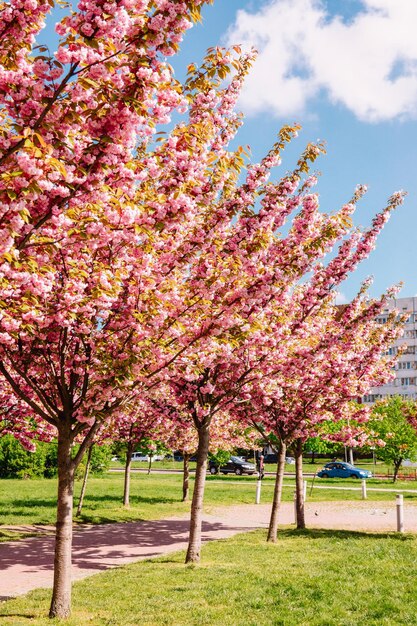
(313, 458)
(194, 542)
(397, 465)
(61, 594)
(84, 485)
(126, 490)
(186, 478)
(276, 502)
(299, 485)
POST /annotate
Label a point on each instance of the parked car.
(273, 458)
(175, 456)
(338, 469)
(235, 465)
(140, 456)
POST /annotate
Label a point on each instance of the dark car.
(235, 465)
(273, 458)
(338, 469)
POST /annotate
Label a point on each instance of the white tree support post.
(305, 490)
(258, 491)
(364, 489)
(400, 512)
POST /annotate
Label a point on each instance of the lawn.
(25, 502)
(310, 578)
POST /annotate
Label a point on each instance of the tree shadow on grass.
(95, 511)
(19, 615)
(326, 533)
(139, 499)
(27, 504)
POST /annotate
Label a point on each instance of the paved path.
(27, 564)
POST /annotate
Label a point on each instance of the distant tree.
(318, 445)
(389, 423)
(220, 457)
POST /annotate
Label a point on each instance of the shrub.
(17, 462)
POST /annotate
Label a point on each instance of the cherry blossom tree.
(226, 435)
(252, 305)
(102, 270)
(93, 219)
(129, 263)
(182, 437)
(143, 421)
(332, 359)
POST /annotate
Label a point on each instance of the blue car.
(338, 469)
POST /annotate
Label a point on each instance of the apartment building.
(405, 382)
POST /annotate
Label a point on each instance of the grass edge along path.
(314, 578)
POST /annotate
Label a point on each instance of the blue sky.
(351, 80)
(347, 71)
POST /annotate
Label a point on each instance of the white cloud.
(368, 64)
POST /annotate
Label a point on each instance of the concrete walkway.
(28, 564)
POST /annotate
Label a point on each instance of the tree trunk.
(313, 457)
(276, 503)
(126, 491)
(186, 478)
(61, 594)
(194, 542)
(397, 465)
(351, 461)
(84, 485)
(299, 485)
(150, 464)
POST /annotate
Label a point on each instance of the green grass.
(33, 501)
(310, 578)
(14, 535)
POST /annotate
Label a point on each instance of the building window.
(405, 382)
(372, 397)
(405, 365)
